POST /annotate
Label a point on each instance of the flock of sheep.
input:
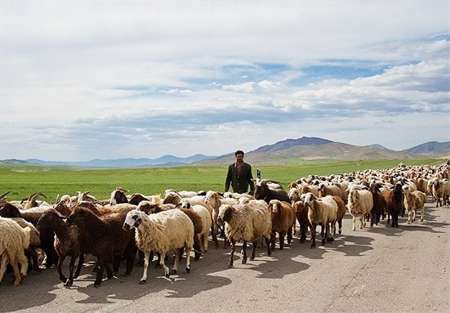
(35, 234)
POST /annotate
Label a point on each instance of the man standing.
(240, 175)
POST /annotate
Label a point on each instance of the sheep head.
(225, 213)
(186, 204)
(133, 219)
(275, 207)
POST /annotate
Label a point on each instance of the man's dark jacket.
(241, 181)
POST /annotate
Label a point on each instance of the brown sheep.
(283, 220)
(340, 213)
(301, 212)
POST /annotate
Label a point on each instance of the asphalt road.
(372, 270)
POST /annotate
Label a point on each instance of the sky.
(115, 79)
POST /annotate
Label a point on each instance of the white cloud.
(65, 62)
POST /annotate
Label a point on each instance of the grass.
(24, 180)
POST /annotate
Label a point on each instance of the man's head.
(239, 155)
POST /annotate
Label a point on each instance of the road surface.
(373, 270)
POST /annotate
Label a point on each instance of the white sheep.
(161, 233)
(321, 211)
(246, 222)
(206, 222)
(13, 241)
(360, 204)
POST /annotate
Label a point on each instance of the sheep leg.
(422, 215)
(340, 226)
(313, 235)
(116, 262)
(328, 231)
(303, 230)
(34, 258)
(188, 259)
(3, 264)
(272, 240)
(69, 282)
(163, 264)
(254, 244)
(205, 243)
(281, 235)
(332, 231)
(197, 248)
(244, 248)
(131, 256)
(59, 268)
(175, 264)
(146, 261)
(269, 251)
(17, 275)
(99, 277)
(80, 264)
(109, 272)
(323, 232)
(233, 248)
(289, 236)
(214, 235)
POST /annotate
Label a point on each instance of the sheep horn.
(4, 195)
(30, 197)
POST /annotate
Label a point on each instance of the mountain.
(281, 152)
(431, 148)
(312, 148)
(165, 160)
(288, 143)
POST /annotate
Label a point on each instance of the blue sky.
(109, 79)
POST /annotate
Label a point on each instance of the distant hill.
(281, 152)
(431, 148)
(288, 143)
(165, 160)
(312, 148)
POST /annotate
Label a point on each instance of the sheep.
(151, 208)
(201, 200)
(321, 211)
(161, 232)
(246, 222)
(283, 220)
(414, 201)
(85, 196)
(310, 188)
(331, 190)
(31, 201)
(35, 243)
(118, 196)
(301, 212)
(294, 195)
(263, 192)
(206, 222)
(379, 204)
(14, 240)
(340, 213)
(105, 239)
(172, 197)
(394, 203)
(67, 243)
(213, 199)
(137, 198)
(360, 204)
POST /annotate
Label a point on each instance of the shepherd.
(240, 175)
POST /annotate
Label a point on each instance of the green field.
(24, 180)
